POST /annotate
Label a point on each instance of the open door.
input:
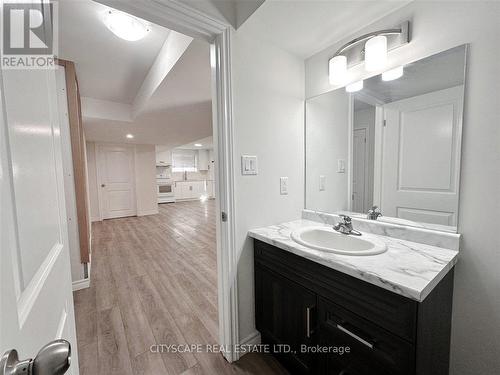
(35, 281)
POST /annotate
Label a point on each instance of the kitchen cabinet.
(304, 304)
(184, 190)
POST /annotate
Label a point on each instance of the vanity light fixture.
(371, 47)
(337, 70)
(125, 26)
(376, 53)
(392, 74)
(353, 87)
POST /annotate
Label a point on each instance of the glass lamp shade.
(376, 53)
(392, 74)
(353, 87)
(337, 70)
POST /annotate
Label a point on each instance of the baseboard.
(149, 212)
(251, 339)
(81, 284)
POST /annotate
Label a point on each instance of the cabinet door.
(371, 349)
(285, 314)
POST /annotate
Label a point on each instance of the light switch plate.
(284, 185)
(340, 166)
(249, 165)
(322, 182)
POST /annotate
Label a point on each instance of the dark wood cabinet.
(321, 321)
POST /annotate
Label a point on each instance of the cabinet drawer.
(373, 350)
(389, 310)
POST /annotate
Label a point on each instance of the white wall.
(268, 110)
(437, 26)
(145, 180)
(327, 119)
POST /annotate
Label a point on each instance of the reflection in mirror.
(394, 144)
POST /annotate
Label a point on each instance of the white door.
(35, 287)
(360, 171)
(421, 155)
(115, 173)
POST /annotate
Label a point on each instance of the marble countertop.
(407, 268)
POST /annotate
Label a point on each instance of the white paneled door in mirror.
(35, 287)
(401, 143)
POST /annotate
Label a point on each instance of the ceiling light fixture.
(198, 145)
(129, 136)
(376, 53)
(393, 74)
(353, 87)
(126, 26)
(371, 47)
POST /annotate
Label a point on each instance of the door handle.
(53, 359)
(353, 335)
(103, 185)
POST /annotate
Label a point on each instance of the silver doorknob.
(53, 359)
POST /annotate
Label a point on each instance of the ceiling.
(308, 26)
(436, 72)
(179, 109)
(206, 144)
(108, 67)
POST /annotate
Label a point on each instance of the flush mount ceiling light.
(371, 48)
(198, 145)
(125, 26)
(353, 87)
(393, 74)
(130, 136)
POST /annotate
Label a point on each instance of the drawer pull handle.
(308, 322)
(353, 335)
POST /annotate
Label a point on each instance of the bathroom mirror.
(394, 144)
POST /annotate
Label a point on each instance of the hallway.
(154, 281)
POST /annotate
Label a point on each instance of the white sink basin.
(327, 239)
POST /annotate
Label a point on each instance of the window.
(184, 161)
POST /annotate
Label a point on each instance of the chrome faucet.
(373, 213)
(345, 226)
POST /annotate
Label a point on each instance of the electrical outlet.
(284, 185)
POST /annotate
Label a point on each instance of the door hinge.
(352, 197)
(385, 122)
(223, 216)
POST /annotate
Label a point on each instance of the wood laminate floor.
(154, 281)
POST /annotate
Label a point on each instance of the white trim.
(350, 137)
(81, 284)
(252, 339)
(177, 16)
(147, 212)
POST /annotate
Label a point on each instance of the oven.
(165, 190)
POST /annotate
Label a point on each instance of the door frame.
(366, 162)
(98, 167)
(180, 17)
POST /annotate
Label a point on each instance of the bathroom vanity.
(391, 310)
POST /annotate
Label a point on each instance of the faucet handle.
(345, 218)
